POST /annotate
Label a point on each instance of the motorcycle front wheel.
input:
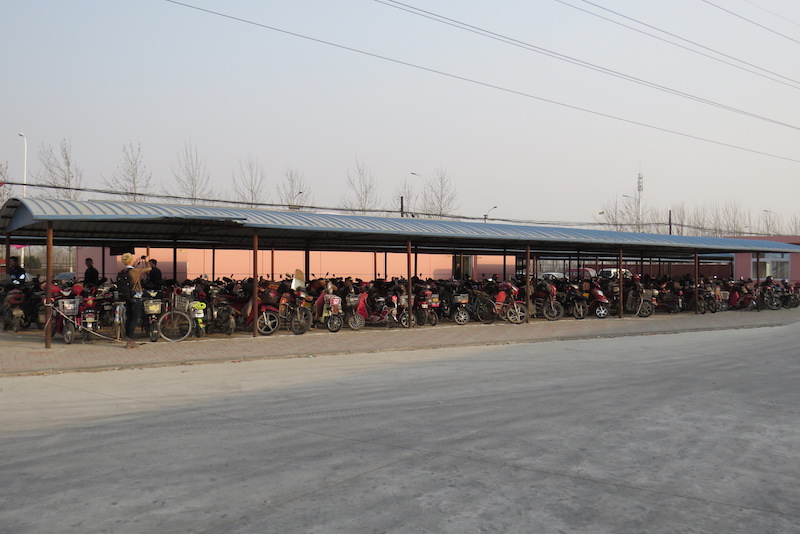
(517, 313)
(461, 315)
(152, 331)
(69, 332)
(646, 309)
(355, 321)
(552, 311)
(404, 318)
(301, 321)
(268, 322)
(432, 318)
(334, 322)
(601, 311)
(580, 310)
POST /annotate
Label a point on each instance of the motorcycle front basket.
(152, 307)
(68, 306)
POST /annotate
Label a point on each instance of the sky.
(317, 86)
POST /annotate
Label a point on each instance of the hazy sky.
(104, 73)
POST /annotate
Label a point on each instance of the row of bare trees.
(192, 184)
(714, 220)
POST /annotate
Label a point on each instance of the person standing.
(129, 285)
(91, 276)
(15, 271)
(156, 281)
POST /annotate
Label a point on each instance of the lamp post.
(24, 183)
(24, 166)
(486, 215)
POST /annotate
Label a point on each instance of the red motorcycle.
(508, 306)
(598, 302)
(545, 301)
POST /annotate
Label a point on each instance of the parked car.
(552, 276)
(582, 273)
(612, 273)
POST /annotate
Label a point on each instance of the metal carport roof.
(108, 223)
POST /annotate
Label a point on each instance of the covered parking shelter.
(119, 224)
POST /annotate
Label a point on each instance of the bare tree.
(769, 223)
(250, 183)
(293, 191)
(192, 176)
(60, 172)
(131, 177)
(363, 197)
(5, 189)
(440, 198)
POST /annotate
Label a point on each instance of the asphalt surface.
(24, 352)
(695, 432)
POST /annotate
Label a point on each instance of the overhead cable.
(556, 55)
(486, 84)
(750, 21)
(774, 76)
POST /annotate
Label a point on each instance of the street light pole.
(486, 215)
(24, 166)
(24, 184)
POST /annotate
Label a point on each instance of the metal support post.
(48, 292)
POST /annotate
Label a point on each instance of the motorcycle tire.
(773, 303)
(553, 311)
(15, 324)
(486, 312)
(646, 309)
(404, 318)
(85, 334)
(199, 331)
(268, 323)
(334, 322)
(517, 313)
(152, 331)
(355, 321)
(461, 315)
(421, 316)
(580, 310)
(432, 318)
(301, 321)
(231, 326)
(701, 306)
(69, 332)
(602, 311)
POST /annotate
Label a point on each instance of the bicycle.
(175, 324)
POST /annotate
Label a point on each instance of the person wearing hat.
(133, 305)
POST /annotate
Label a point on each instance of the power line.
(556, 55)
(789, 82)
(771, 12)
(484, 84)
(750, 21)
(621, 226)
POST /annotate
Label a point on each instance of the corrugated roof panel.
(25, 217)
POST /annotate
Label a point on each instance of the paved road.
(24, 353)
(693, 432)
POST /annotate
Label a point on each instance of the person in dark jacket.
(156, 281)
(91, 276)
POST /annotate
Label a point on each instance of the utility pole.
(401, 207)
(639, 188)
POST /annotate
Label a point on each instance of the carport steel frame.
(112, 223)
